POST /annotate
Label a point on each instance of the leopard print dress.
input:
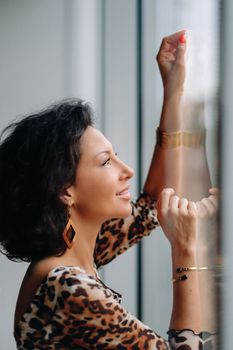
(74, 310)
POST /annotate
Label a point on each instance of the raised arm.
(171, 164)
(179, 158)
(117, 235)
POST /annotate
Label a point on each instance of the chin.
(124, 212)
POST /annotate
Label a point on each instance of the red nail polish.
(182, 39)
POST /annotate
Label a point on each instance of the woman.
(62, 184)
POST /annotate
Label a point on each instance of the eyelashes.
(108, 161)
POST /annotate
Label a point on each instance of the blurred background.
(103, 51)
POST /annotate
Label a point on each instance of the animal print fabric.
(74, 310)
(117, 235)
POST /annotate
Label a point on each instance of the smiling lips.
(124, 193)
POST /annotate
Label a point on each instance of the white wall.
(32, 76)
(120, 101)
(32, 55)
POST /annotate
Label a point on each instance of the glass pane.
(200, 109)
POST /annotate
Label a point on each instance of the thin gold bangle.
(196, 268)
(180, 279)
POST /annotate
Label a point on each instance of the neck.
(82, 252)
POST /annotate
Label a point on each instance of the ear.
(67, 196)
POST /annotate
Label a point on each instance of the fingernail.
(169, 189)
(182, 39)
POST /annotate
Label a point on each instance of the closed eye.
(107, 162)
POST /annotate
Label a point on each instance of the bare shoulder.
(40, 269)
(35, 274)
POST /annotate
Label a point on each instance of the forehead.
(93, 141)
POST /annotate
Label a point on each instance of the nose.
(126, 171)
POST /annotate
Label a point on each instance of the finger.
(192, 208)
(173, 39)
(214, 191)
(169, 45)
(201, 209)
(209, 205)
(180, 53)
(165, 197)
(214, 200)
(183, 203)
(174, 203)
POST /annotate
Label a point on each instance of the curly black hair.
(38, 160)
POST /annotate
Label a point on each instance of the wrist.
(172, 96)
(171, 116)
(183, 255)
(206, 256)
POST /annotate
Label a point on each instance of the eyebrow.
(105, 151)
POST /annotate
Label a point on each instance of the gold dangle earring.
(69, 234)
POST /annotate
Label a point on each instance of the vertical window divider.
(139, 125)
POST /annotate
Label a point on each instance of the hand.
(178, 219)
(207, 210)
(171, 61)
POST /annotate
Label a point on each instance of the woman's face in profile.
(101, 187)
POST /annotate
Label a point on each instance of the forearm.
(208, 293)
(208, 283)
(195, 181)
(183, 167)
(171, 118)
(195, 302)
(196, 177)
(186, 313)
(178, 219)
(165, 165)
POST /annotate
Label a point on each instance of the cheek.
(96, 190)
(97, 197)
(99, 186)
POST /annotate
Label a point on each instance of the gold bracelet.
(180, 279)
(168, 139)
(192, 138)
(196, 268)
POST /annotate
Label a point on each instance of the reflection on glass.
(199, 165)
